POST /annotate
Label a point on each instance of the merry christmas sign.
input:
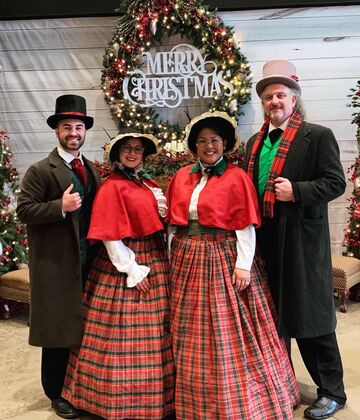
(166, 79)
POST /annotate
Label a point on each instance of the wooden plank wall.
(42, 59)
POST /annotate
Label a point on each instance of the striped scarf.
(276, 168)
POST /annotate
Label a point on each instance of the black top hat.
(70, 106)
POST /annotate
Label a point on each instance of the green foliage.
(13, 242)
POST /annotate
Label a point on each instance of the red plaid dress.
(230, 362)
(124, 368)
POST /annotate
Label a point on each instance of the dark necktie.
(80, 170)
(275, 134)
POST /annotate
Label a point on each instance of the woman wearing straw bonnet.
(230, 362)
(124, 367)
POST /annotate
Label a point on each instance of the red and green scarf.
(278, 163)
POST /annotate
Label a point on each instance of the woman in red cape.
(230, 362)
(124, 367)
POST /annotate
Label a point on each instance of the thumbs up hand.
(70, 201)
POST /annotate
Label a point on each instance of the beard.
(71, 143)
(277, 116)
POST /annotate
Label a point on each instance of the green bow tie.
(217, 169)
(130, 173)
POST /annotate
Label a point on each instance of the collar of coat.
(217, 169)
(130, 173)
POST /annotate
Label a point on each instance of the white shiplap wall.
(42, 59)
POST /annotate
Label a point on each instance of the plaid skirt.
(124, 368)
(230, 362)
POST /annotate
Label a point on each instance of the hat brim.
(287, 81)
(149, 141)
(199, 122)
(53, 120)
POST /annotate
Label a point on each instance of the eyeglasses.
(128, 149)
(215, 141)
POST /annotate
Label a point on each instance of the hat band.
(71, 113)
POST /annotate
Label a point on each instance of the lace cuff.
(123, 259)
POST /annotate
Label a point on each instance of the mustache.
(73, 137)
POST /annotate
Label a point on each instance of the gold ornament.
(215, 23)
(139, 59)
(114, 108)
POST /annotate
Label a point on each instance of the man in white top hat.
(296, 169)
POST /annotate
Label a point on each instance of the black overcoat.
(54, 254)
(302, 259)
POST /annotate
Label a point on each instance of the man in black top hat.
(55, 203)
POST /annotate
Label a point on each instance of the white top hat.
(278, 71)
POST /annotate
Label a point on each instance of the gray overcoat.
(303, 257)
(54, 254)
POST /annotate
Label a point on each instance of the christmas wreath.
(144, 23)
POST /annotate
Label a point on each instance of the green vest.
(267, 155)
(87, 198)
